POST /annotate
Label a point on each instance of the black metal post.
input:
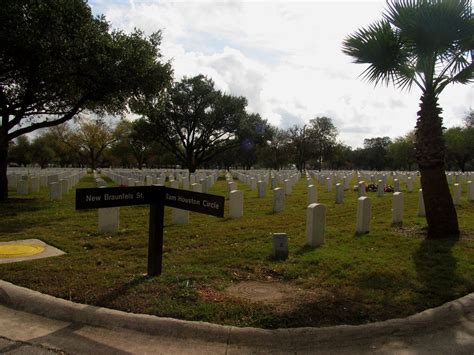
(155, 238)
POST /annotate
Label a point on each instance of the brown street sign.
(194, 201)
(115, 196)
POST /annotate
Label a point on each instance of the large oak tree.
(194, 121)
(57, 60)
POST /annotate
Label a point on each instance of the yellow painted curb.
(18, 250)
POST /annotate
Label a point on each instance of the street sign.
(194, 201)
(105, 197)
(157, 197)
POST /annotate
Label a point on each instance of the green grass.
(388, 273)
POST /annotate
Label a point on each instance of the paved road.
(33, 323)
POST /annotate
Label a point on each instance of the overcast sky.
(285, 57)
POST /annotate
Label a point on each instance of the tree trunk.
(3, 165)
(441, 214)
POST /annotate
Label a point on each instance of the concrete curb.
(429, 321)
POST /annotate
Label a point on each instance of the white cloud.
(285, 58)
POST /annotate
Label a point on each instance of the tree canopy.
(57, 60)
(194, 121)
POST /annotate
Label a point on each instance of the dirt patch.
(267, 292)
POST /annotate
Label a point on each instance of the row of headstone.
(30, 182)
(184, 180)
(59, 186)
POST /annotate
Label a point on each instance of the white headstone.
(364, 205)
(231, 186)
(236, 204)
(470, 191)
(196, 187)
(22, 187)
(185, 182)
(35, 184)
(312, 194)
(457, 194)
(421, 204)
(174, 184)
(55, 191)
(380, 188)
(396, 185)
(261, 189)
(315, 224)
(329, 184)
(280, 246)
(64, 186)
(179, 216)
(361, 188)
(278, 199)
(53, 178)
(273, 182)
(288, 187)
(204, 187)
(397, 208)
(109, 220)
(12, 181)
(253, 183)
(339, 193)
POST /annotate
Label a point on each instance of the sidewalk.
(33, 323)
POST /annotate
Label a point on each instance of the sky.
(285, 57)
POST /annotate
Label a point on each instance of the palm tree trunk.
(441, 214)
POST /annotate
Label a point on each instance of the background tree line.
(96, 142)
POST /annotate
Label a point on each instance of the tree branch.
(76, 109)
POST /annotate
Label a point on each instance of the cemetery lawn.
(391, 272)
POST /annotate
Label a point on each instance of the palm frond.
(406, 77)
(431, 26)
(380, 47)
(464, 76)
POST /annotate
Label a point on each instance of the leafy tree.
(131, 146)
(339, 157)
(20, 151)
(459, 146)
(56, 60)
(402, 152)
(253, 134)
(276, 153)
(90, 139)
(64, 155)
(42, 152)
(194, 121)
(426, 43)
(469, 119)
(120, 154)
(323, 135)
(300, 145)
(376, 152)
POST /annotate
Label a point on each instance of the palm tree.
(427, 43)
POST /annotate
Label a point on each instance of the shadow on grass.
(436, 270)
(11, 227)
(15, 205)
(304, 250)
(106, 299)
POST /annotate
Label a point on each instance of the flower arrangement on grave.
(122, 185)
(371, 188)
(388, 188)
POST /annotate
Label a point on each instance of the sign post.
(157, 197)
(155, 239)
